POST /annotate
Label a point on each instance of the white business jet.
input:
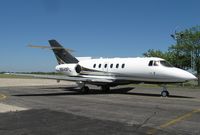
(110, 72)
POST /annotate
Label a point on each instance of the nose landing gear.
(165, 92)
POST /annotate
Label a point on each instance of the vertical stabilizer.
(62, 55)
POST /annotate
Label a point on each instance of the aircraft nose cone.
(188, 76)
(191, 77)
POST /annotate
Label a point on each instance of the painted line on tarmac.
(10, 108)
(2, 96)
(173, 121)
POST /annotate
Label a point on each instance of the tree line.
(185, 53)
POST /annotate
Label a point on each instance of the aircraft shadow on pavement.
(75, 91)
(156, 95)
(62, 87)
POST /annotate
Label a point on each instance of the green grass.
(13, 76)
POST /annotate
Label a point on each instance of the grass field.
(13, 76)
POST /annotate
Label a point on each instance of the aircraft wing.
(68, 78)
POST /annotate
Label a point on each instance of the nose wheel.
(165, 92)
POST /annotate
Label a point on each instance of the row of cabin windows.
(111, 66)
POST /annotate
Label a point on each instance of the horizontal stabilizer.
(50, 48)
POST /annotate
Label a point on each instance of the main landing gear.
(105, 88)
(165, 92)
(85, 90)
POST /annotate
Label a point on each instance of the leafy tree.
(157, 53)
(180, 57)
(185, 53)
(187, 49)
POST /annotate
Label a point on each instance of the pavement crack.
(146, 121)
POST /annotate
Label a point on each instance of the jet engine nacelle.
(69, 69)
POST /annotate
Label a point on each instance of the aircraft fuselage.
(147, 70)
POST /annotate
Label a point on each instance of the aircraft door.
(152, 66)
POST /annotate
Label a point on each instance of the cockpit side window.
(156, 63)
(165, 63)
(151, 63)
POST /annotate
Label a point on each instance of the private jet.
(111, 72)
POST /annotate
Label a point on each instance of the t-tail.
(62, 55)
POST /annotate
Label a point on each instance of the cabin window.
(151, 63)
(94, 66)
(105, 66)
(117, 65)
(123, 65)
(111, 65)
(99, 65)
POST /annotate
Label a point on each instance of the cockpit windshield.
(154, 63)
(160, 62)
(165, 63)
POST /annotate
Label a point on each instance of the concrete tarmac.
(61, 110)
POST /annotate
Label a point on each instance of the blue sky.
(108, 28)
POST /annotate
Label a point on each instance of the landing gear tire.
(164, 93)
(85, 90)
(105, 89)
